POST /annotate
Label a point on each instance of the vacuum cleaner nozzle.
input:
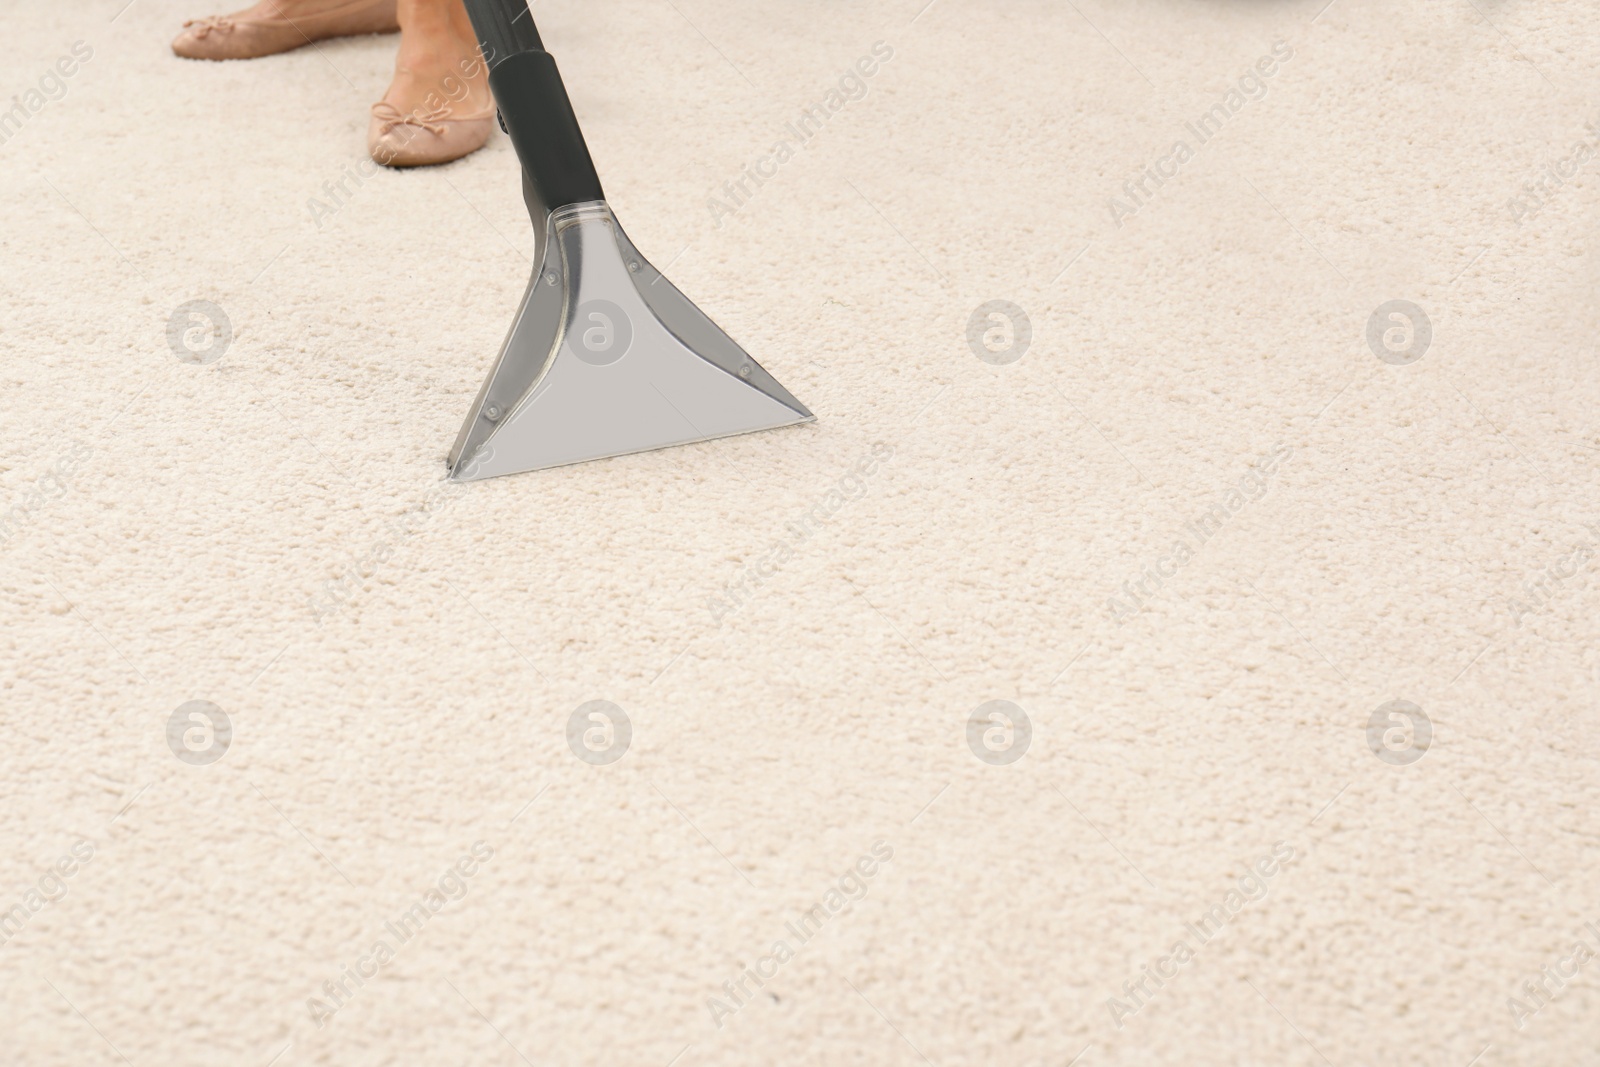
(605, 356)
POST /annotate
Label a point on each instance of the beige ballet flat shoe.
(421, 138)
(240, 36)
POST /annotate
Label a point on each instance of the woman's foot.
(438, 107)
(272, 26)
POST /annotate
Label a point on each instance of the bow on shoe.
(204, 27)
(390, 117)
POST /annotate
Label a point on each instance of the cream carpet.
(1285, 416)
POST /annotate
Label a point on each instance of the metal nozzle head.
(605, 358)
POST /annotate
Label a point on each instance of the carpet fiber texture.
(1175, 641)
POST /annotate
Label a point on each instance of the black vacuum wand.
(534, 108)
(605, 356)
